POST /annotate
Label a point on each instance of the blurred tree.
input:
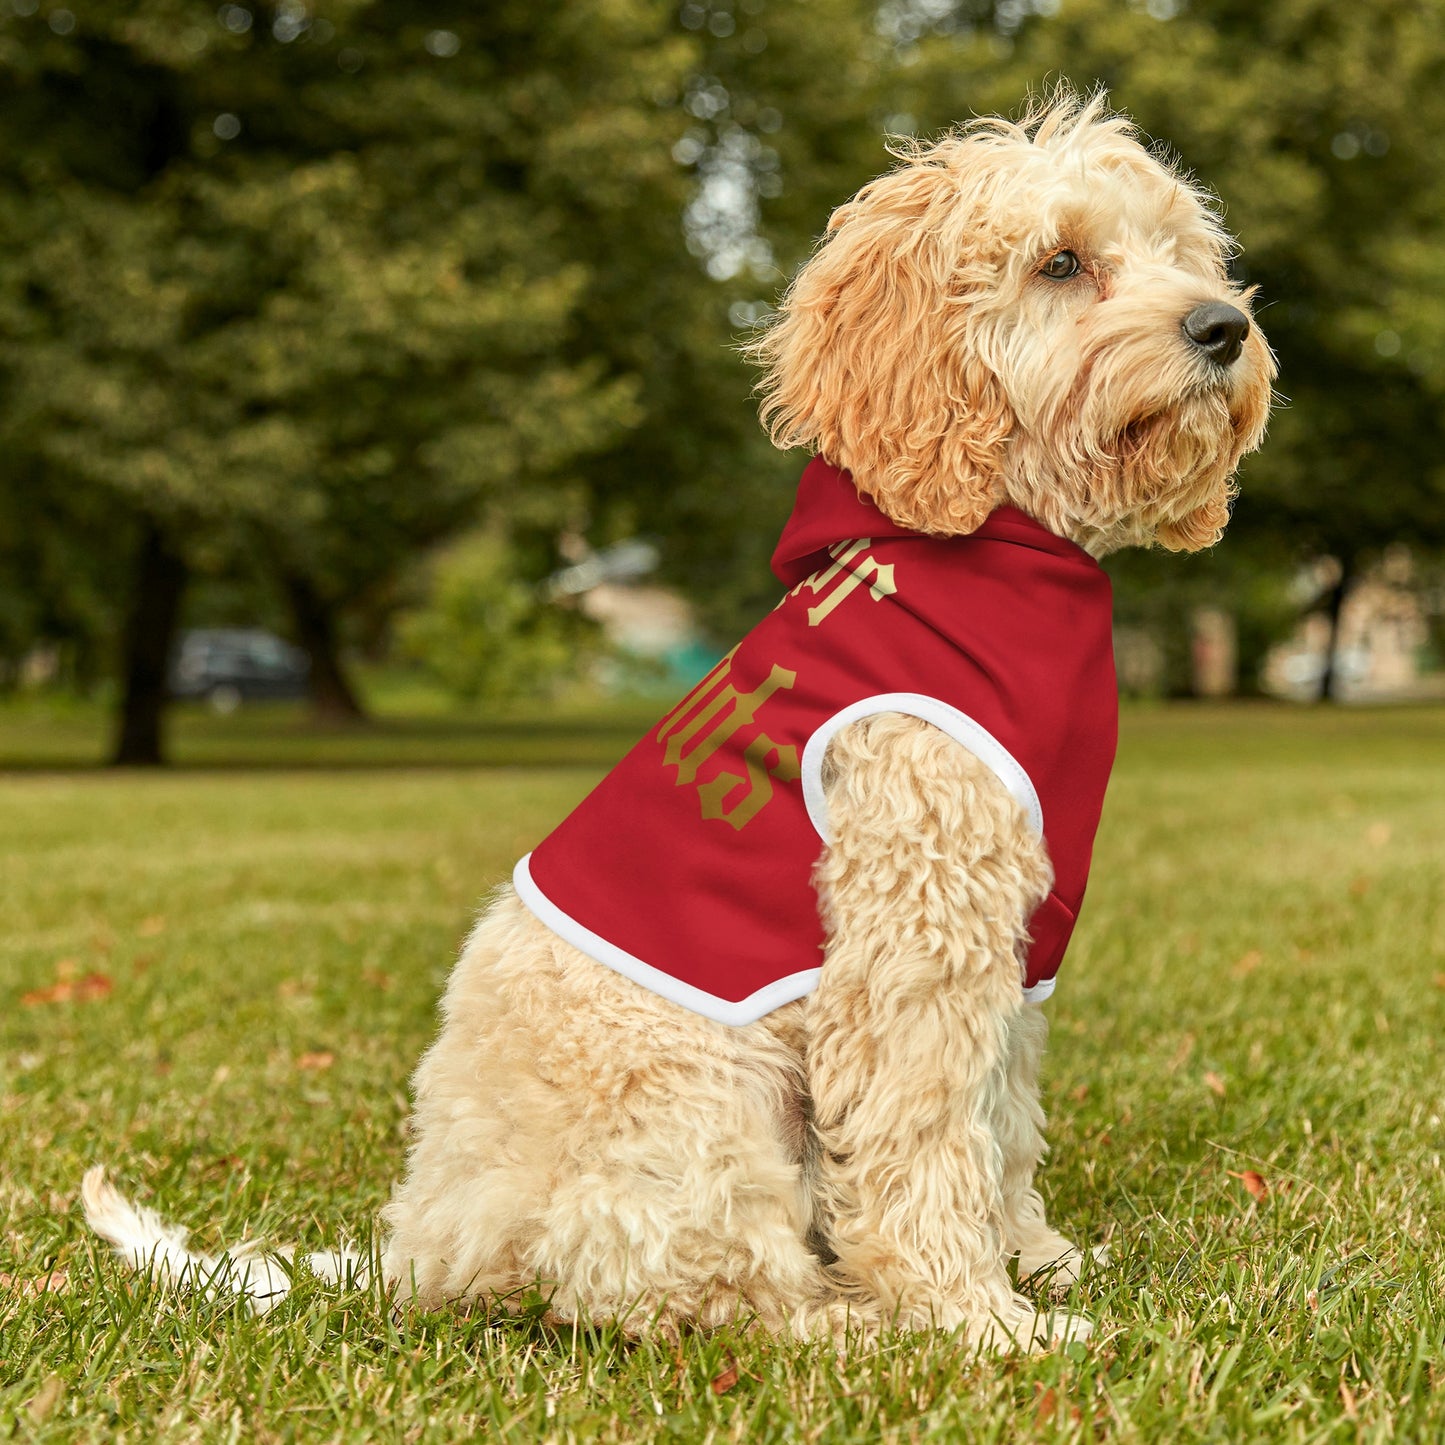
(319, 285)
(309, 284)
(1318, 121)
(484, 632)
(780, 114)
(323, 284)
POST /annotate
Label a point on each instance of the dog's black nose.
(1218, 331)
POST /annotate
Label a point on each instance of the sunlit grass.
(231, 972)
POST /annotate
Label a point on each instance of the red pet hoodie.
(689, 867)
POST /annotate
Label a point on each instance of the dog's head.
(1036, 313)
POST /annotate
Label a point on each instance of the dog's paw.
(1060, 1327)
(1057, 1269)
(1023, 1326)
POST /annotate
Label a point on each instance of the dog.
(699, 1064)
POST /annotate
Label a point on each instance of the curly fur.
(649, 1165)
(866, 1156)
(921, 349)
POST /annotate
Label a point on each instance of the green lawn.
(217, 979)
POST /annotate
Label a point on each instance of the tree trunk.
(1329, 678)
(333, 699)
(150, 631)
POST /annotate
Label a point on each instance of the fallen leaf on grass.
(1047, 1406)
(320, 1059)
(377, 978)
(80, 990)
(1255, 1183)
(1248, 963)
(45, 1399)
(724, 1382)
(1181, 1054)
(1214, 1083)
(151, 927)
(1440, 980)
(1080, 1094)
(56, 1282)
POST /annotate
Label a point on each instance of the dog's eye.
(1060, 266)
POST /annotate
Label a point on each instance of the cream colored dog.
(1035, 314)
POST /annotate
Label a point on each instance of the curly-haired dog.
(1017, 351)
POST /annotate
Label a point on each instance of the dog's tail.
(147, 1243)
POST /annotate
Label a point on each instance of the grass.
(216, 980)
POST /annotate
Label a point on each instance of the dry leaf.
(1047, 1408)
(82, 990)
(1080, 1094)
(320, 1059)
(1347, 1399)
(1181, 1054)
(151, 927)
(45, 1399)
(377, 978)
(1440, 980)
(1214, 1083)
(1248, 963)
(56, 1282)
(724, 1382)
(1253, 1182)
(56, 993)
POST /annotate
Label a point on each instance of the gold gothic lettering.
(760, 790)
(845, 576)
(691, 738)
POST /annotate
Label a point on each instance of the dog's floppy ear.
(872, 360)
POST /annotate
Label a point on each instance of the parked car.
(230, 665)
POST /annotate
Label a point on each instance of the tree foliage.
(484, 632)
(299, 290)
(313, 287)
(1317, 123)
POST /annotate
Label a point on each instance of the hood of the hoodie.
(829, 509)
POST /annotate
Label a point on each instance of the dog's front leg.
(926, 888)
(1042, 1251)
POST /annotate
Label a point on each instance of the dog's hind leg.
(577, 1135)
(926, 889)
